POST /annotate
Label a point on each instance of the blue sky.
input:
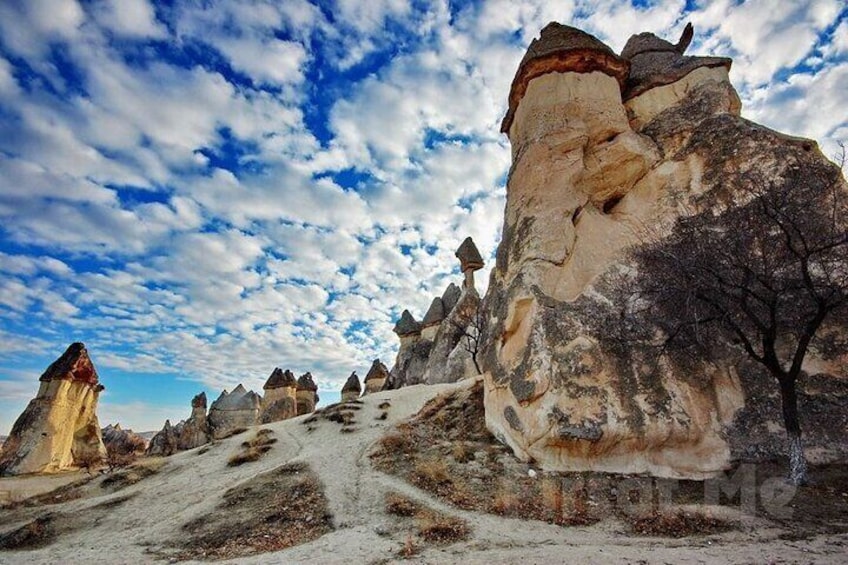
(202, 191)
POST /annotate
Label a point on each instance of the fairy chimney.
(469, 261)
(280, 400)
(307, 394)
(376, 377)
(351, 388)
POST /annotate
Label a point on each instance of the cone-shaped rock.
(59, 427)
(450, 297)
(407, 325)
(351, 388)
(376, 377)
(468, 255)
(280, 378)
(234, 410)
(435, 314)
(307, 394)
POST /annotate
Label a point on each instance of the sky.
(203, 191)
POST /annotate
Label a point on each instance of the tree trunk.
(797, 461)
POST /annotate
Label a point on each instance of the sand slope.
(191, 485)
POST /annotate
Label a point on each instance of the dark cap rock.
(199, 401)
(73, 365)
(468, 255)
(561, 49)
(352, 384)
(305, 382)
(406, 325)
(435, 314)
(280, 378)
(377, 371)
(450, 297)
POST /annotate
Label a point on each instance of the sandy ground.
(191, 484)
(19, 488)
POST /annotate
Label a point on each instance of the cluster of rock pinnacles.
(602, 145)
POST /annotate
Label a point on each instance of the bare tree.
(765, 276)
(471, 335)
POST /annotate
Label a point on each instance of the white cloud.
(131, 18)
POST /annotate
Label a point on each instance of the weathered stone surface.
(59, 426)
(589, 172)
(280, 400)
(164, 443)
(407, 325)
(411, 362)
(562, 49)
(435, 314)
(195, 431)
(233, 410)
(307, 394)
(452, 335)
(352, 388)
(450, 297)
(376, 377)
(122, 443)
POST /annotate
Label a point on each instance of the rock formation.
(376, 377)
(59, 427)
(164, 443)
(603, 145)
(307, 394)
(280, 400)
(195, 431)
(351, 388)
(122, 443)
(234, 410)
(442, 348)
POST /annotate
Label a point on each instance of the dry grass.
(385, 405)
(38, 533)
(439, 528)
(253, 449)
(410, 547)
(235, 432)
(400, 505)
(431, 473)
(677, 524)
(275, 510)
(133, 474)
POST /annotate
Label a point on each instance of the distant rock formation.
(441, 348)
(59, 427)
(122, 443)
(376, 377)
(603, 145)
(280, 401)
(351, 388)
(234, 410)
(307, 394)
(164, 443)
(195, 431)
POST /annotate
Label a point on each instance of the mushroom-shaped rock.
(450, 297)
(59, 426)
(435, 314)
(307, 394)
(351, 388)
(376, 377)
(407, 325)
(560, 49)
(280, 379)
(656, 62)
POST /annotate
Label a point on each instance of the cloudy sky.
(202, 191)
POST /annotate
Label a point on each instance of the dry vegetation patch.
(275, 510)
(133, 474)
(421, 525)
(677, 524)
(342, 413)
(253, 449)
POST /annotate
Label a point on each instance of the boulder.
(351, 388)
(234, 410)
(59, 427)
(280, 400)
(307, 394)
(376, 377)
(603, 146)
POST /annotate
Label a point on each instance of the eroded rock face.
(122, 443)
(234, 410)
(59, 427)
(376, 377)
(603, 146)
(164, 443)
(307, 394)
(351, 389)
(280, 400)
(195, 431)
